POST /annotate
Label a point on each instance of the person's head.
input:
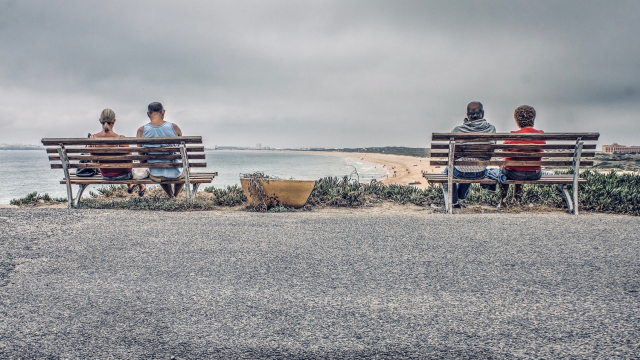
(155, 109)
(475, 111)
(524, 115)
(107, 119)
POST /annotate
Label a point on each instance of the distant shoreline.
(406, 168)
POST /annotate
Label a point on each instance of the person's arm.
(177, 130)
(139, 134)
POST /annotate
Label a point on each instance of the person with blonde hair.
(108, 121)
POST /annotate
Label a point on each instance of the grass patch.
(609, 192)
(341, 192)
(622, 162)
(34, 198)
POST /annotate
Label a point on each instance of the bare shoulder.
(177, 129)
(140, 131)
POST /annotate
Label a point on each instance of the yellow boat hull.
(291, 193)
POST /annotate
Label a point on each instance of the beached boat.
(291, 193)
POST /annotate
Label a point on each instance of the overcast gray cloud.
(318, 73)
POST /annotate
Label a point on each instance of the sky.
(318, 73)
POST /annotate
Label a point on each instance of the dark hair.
(155, 107)
(524, 115)
(475, 110)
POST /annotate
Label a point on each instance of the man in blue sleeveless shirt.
(157, 127)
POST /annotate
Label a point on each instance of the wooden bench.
(562, 149)
(79, 153)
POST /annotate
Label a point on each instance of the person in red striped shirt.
(525, 116)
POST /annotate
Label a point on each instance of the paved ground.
(126, 284)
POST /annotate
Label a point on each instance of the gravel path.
(132, 284)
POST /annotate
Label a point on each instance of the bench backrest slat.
(496, 154)
(512, 163)
(126, 165)
(122, 150)
(108, 155)
(436, 146)
(122, 141)
(128, 157)
(553, 154)
(514, 136)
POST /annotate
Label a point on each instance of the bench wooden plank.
(510, 163)
(477, 154)
(445, 146)
(111, 153)
(129, 157)
(121, 141)
(195, 178)
(127, 165)
(123, 150)
(485, 151)
(544, 180)
(514, 136)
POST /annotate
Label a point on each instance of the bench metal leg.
(449, 197)
(445, 192)
(567, 196)
(195, 190)
(80, 191)
(62, 152)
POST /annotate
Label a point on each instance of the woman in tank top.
(108, 121)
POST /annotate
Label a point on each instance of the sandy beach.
(401, 169)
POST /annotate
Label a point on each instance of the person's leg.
(177, 188)
(520, 175)
(504, 190)
(167, 189)
(517, 194)
(454, 198)
(463, 191)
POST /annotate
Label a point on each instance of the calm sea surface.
(25, 171)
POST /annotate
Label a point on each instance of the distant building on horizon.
(620, 149)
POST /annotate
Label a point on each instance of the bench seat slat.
(544, 180)
(436, 146)
(123, 150)
(499, 154)
(121, 141)
(194, 178)
(127, 165)
(129, 157)
(511, 163)
(514, 136)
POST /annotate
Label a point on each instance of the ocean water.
(25, 171)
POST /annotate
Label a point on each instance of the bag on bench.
(140, 173)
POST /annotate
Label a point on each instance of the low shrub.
(333, 191)
(603, 192)
(229, 196)
(34, 198)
